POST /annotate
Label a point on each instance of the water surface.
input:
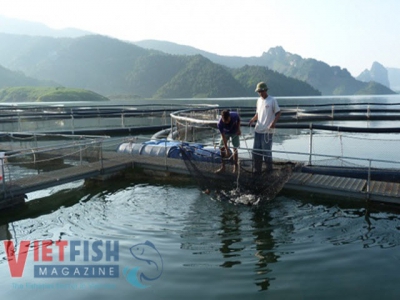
(288, 248)
(292, 247)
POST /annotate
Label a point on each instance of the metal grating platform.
(387, 192)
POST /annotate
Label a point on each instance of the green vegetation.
(374, 87)
(203, 79)
(328, 80)
(279, 85)
(47, 94)
(11, 78)
(112, 67)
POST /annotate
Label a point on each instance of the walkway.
(113, 163)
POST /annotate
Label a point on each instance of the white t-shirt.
(266, 110)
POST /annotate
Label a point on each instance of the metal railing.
(54, 118)
(25, 157)
(26, 163)
(366, 165)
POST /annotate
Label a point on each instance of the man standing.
(267, 114)
(229, 127)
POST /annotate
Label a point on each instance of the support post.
(369, 179)
(101, 157)
(166, 154)
(310, 145)
(186, 130)
(3, 182)
(80, 154)
(72, 123)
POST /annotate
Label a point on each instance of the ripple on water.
(288, 247)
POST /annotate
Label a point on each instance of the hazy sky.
(351, 34)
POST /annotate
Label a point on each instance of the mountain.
(327, 79)
(394, 78)
(48, 94)
(14, 26)
(109, 66)
(176, 49)
(10, 78)
(378, 73)
(201, 78)
(279, 84)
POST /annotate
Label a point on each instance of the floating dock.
(115, 163)
(99, 164)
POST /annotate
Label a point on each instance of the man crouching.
(229, 127)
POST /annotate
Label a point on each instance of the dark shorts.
(233, 137)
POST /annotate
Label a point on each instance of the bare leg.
(223, 156)
(235, 160)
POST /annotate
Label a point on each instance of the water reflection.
(230, 235)
(5, 234)
(242, 235)
(265, 247)
(233, 250)
(342, 223)
(237, 226)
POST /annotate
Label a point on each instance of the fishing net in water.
(241, 187)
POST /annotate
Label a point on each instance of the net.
(241, 187)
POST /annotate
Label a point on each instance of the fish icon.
(132, 277)
(148, 265)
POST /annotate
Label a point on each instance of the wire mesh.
(245, 186)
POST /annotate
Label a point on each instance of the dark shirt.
(232, 127)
